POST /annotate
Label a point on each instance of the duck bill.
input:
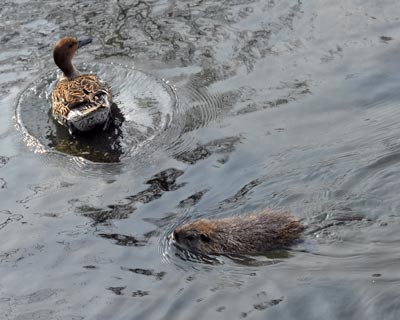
(84, 42)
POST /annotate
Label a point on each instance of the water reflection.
(146, 272)
(203, 151)
(96, 145)
(164, 181)
(123, 240)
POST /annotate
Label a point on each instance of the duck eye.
(204, 238)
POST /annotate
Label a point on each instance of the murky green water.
(225, 107)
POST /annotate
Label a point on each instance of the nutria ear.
(204, 237)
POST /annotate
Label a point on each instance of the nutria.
(249, 234)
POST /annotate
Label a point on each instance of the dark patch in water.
(263, 305)
(164, 181)
(224, 145)
(266, 304)
(90, 267)
(194, 155)
(3, 161)
(386, 39)
(220, 309)
(288, 91)
(140, 293)
(239, 196)
(160, 183)
(123, 240)
(117, 290)
(146, 272)
(7, 217)
(103, 215)
(192, 200)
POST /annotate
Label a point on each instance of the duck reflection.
(97, 145)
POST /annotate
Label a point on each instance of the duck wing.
(82, 91)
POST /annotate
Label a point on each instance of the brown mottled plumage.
(79, 101)
(249, 234)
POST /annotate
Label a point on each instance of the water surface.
(225, 108)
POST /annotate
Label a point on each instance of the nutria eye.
(204, 238)
(70, 45)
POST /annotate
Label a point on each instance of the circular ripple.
(143, 108)
(149, 114)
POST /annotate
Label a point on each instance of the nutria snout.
(249, 234)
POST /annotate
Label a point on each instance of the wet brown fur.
(249, 234)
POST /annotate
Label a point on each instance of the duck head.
(64, 51)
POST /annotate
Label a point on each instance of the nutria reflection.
(250, 234)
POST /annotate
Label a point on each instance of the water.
(225, 107)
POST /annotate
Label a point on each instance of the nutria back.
(253, 233)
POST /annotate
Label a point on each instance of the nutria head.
(196, 236)
(250, 234)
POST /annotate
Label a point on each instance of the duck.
(80, 102)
